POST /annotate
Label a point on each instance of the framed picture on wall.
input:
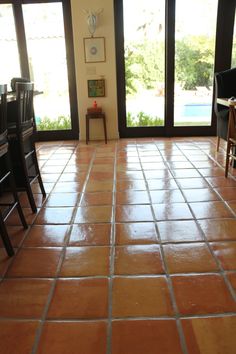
(94, 49)
(96, 88)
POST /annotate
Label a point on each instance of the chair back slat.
(3, 111)
(24, 98)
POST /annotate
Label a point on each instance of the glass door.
(165, 52)
(195, 34)
(144, 43)
(45, 38)
(9, 58)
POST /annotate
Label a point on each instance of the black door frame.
(73, 133)
(224, 41)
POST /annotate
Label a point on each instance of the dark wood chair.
(225, 87)
(8, 195)
(21, 133)
(231, 138)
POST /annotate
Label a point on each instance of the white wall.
(106, 70)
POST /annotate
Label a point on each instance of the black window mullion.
(169, 65)
(21, 39)
(71, 67)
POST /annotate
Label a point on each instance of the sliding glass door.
(41, 31)
(167, 52)
(9, 57)
(195, 31)
(45, 39)
(144, 42)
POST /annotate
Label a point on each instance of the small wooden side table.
(96, 115)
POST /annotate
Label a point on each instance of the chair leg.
(27, 184)
(218, 143)
(38, 173)
(5, 238)
(227, 158)
(15, 195)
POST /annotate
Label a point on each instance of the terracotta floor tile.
(138, 259)
(23, 298)
(219, 230)
(227, 193)
(183, 166)
(96, 198)
(85, 261)
(93, 214)
(210, 210)
(232, 278)
(98, 186)
(136, 233)
(129, 213)
(200, 195)
(148, 166)
(54, 216)
(68, 187)
(130, 175)
(79, 299)
(16, 235)
(156, 184)
(35, 262)
(226, 253)
(221, 182)
(23, 333)
(141, 297)
(47, 236)
(73, 177)
(132, 197)
(101, 176)
(210, 335)
(174, 211)
(38, 198)
(179, 231)
(14, 220)
(233, 206)
(211, 172)
(153, 337)
(161, 174)
(189, 257)
(123, 185)
(167, 196)
(202, 294)
(181, 171)
(90, 235)
(192, 183)
(73, 337)
(4, 261)
(62, 199)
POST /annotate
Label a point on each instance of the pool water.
(196, 110)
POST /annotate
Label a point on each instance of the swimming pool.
(196, 110)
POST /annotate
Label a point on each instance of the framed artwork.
(96, 88)
(94, 49)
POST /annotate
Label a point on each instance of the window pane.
(233, 61)
(9, 58)
(48, 66)
(144, 33)
(194, 61)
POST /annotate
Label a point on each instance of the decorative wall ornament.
(94, 49)
(92, 19)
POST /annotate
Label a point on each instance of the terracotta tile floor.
(133, 251)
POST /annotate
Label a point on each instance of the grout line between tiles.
(51, 293)
(112, 258)
(169, 281)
